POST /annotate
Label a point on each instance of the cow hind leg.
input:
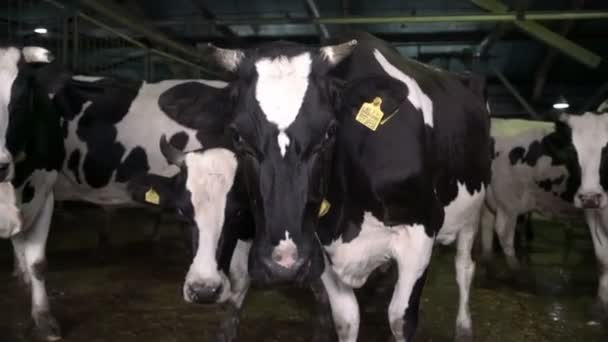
(412, 251)
(599, 235)
(505, 229)
(31, 248)
(344, 306)
(487, 224)
(465, 270)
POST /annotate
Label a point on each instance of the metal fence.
(87, 44)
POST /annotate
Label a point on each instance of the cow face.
(589, 136)
(198, 193)
(15, 89)
(283, 133)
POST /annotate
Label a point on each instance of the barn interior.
(534, 54)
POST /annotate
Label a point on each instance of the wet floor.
(132, 292)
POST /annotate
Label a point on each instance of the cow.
(102, 135)
(308, 134)
(532, 171)
(557, 172)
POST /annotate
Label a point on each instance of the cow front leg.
(30, 246)
(323, 329)
(488, 221)
(598, 226)
(465, 270)
(239, 286)
(505, 229)
(412, 250)
(344, 306)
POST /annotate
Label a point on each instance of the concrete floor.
(132, 292)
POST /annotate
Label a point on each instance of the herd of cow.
(312, 166)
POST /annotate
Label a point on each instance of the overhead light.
(41, 30)
(561, 103)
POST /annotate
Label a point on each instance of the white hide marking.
(281, 87)
(143, 112)
(9, 58)
(415, 95)
(286, 252)
(85, 78)
(283, 141)
(210, 177)
(42, 181)
(463, 211)
(229, 59)
(376, 243)
(589, 136)
(35, 54)
(10, 216)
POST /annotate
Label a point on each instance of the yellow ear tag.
(324, 209)
(370, 115)
(152, 196)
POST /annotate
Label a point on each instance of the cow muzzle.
(5, 171)
(591, 200)
(206, 290)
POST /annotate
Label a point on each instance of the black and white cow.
(556, 172)
(103, 135)
(532, 171)
(417, 178)
(30, 157)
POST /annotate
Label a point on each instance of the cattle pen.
(306, 170)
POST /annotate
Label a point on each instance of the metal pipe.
(516, 94)
(419, 19)
(314, 10)
(133, 41)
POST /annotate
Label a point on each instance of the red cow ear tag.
(152, 196)
(370, 115)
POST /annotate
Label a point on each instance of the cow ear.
(35, 54)
(228, 59)
(153, 190)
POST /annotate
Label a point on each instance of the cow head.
(198, 193)
(284, 108)
(15, 93)
(589, 137)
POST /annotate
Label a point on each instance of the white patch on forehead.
(281, 87)
(283, 141)
(35, 54)
(415, 95)
(589, 136)
(85, 78)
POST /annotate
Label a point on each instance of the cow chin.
(263, 271)
(10, 215)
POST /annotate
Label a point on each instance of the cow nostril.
(4, 166)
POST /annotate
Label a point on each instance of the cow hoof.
(599, 312)
(47, 327)
(463, 335)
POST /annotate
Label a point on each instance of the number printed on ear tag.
(152, 196)
(370, 115)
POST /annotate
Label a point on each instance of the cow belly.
(355, 260)
(462, 211)
(110, 195)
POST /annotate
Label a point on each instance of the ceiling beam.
(137, 25)
(545, 35)
(527, 106)
(207, 14)
(551, 56)
(313, 10)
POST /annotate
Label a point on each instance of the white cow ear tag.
(324, 208)
(152, 196)
(370, 115)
